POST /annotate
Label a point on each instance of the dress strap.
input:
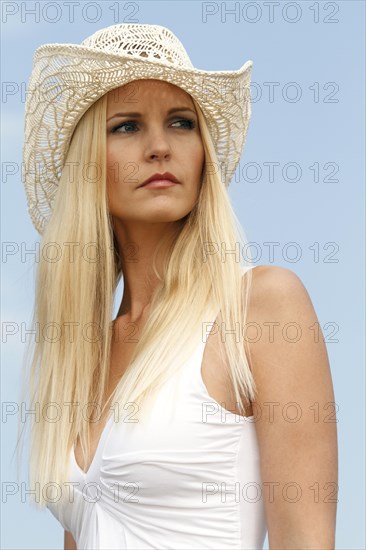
(207, 326)
(246, 268)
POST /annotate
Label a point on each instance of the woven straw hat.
(67, 79)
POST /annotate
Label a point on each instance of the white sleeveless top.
(185, 478)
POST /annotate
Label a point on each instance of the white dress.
(188, 477)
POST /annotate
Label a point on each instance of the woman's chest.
(209, 378)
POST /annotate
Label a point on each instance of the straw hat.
(67, 79)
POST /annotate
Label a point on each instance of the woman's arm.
(69, 543)
(297, 433)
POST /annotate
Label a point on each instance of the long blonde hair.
(75, 297)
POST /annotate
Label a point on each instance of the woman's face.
(153, 139)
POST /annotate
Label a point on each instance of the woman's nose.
(157, 144)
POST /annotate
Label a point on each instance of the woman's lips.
(158, 184)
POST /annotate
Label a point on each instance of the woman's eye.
(190, 122)
(187, 124)
(123, 125)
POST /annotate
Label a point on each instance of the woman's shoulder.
(276, 287)
(282, 312)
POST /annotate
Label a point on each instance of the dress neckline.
(97, 450)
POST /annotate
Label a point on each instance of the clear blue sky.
(299, 186)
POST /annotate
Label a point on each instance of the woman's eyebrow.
(173, 110)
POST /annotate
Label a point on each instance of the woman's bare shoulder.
(281, 309)
(275, 288)
(275, 278)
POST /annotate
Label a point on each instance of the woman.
(192, 434)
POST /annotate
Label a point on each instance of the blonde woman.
(189, 420)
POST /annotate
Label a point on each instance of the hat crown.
(140, 41)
